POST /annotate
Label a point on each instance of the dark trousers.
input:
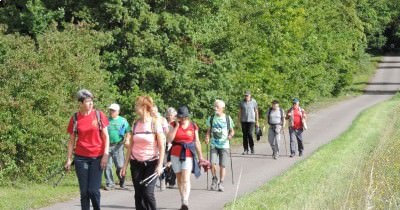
(144, 195)
(296, 134)
(247, 130)
(89, 174)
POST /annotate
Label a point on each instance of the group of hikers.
(165, 149)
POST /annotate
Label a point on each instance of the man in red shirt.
(296, 116)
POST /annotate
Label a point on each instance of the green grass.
(357, 170)
(31, 195)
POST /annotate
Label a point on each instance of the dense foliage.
(179, 52)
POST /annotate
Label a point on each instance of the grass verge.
(358, 170)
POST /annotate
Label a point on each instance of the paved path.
(251, 171)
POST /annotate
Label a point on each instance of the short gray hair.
(219, 102)
(171, 111)
(83, 94)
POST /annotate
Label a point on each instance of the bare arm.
(127, 157)
(106, 140)
(207, 140)
(172, 133)
(70, 149)
(198, 146)
(161, 150)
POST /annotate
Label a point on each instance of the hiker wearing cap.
(165, 127)
(248, 116)
(185, 146)
(145, 154)
(169, 173)
(120, 133)
(297, 124)
(276, 121)
(89, 142)
(220, 128)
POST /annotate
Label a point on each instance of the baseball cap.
(247, 92)
(295, 100)
(114, 107)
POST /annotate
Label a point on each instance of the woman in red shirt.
(88, 139)
(185, 145)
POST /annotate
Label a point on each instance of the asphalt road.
(252, 171)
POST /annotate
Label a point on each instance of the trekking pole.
(230, 154)
(149, 179)
(63, 173)
(207, 160)
(284, 139)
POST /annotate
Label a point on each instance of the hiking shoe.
(184, 207)
(108, 187)
(220, 187)
(214, 183)
(252, 151)
(300, 153)
(292, 155)
(246, 152)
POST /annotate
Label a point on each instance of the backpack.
(269, 114)
(144, 132)
(75, 122)
(228, 123)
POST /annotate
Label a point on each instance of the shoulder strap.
(269, 114)
(228, 123)
(211, 121)
(75, 123)
(134, 128)
(99, 120)
(194, 131)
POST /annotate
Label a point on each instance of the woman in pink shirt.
(145, 153)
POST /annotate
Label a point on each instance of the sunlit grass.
(338, 176)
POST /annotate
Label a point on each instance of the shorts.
(222, 154)
(178, 165)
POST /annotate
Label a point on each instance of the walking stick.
(149, 179)
(230, 154)
(284, 139)
(207, 169)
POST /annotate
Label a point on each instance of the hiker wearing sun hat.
(297, 124)
(185, 147)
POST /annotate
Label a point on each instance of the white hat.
(114, 107)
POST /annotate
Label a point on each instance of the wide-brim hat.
(183, 111)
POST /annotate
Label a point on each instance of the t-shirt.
(118, 127)
(89, 142)
(248, 113)
(219, 132)
(184, 136)
(275, 116)
(145, 145)
(297, 124)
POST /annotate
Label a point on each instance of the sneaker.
(252, 151)
(300, 153)
(108, 187)
(122, 185)
(214, 183)
(292, 155)
(184, 207)
(246, 152)
(220, 187)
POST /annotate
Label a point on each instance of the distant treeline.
(178, 51)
